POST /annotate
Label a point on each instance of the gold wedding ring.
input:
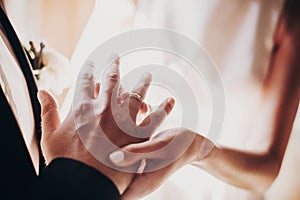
(136, 96)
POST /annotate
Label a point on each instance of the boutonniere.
(51, 69)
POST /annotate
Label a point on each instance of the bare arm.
(257, 171)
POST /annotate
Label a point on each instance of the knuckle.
(110, 89)
(112, 76)
(86, 86)
(89, 76)
(47, 109)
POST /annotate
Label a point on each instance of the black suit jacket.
(63, 178)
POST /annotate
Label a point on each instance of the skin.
(249, 170)
(91, 111)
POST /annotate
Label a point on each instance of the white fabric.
(14, 85)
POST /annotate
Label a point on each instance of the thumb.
(49, 112)
(134, 153)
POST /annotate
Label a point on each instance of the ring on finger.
(136, 96)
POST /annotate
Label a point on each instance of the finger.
(97, 90)
(144, 184)
(49, 112)
(154, 119)
(142, 166)
(85, 85)
(121, 89)
(134, 153)
(110, 80)
(140, 89)
(122, 97)
(144, 108)
(142, 86)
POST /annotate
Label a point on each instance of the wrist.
(119, 178)
(194, 149)
(203, 149)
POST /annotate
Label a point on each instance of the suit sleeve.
(70, 179)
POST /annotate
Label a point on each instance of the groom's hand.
(90, 131)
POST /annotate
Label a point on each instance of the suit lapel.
(16, 169)
(26, 69)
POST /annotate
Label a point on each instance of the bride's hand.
(164, 154)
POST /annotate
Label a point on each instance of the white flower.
(56, 75)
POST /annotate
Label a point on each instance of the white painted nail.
(117, 157)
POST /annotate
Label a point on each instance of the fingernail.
(117, 157)
(113, 56)
(171, 101)
(41, 96)
(147, 76)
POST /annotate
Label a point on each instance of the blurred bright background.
(236, 33)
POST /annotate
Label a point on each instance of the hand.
(89, 132)
(179, 147)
